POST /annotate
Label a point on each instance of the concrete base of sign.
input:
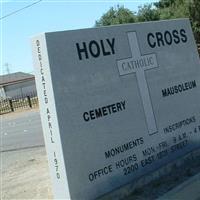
(159, 182)
(187, 190)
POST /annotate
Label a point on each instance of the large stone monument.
(116, 103)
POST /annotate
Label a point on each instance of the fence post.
(29, 101)
(11, 105)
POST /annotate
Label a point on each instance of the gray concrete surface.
(25, 175)
(189, 189)
(159, 183)
(21, 130)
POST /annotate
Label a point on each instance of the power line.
(16, 11)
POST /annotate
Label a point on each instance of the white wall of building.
(20, 89)
(2, 93)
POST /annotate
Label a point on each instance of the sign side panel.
(49, 118)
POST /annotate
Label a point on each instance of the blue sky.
(47, 15)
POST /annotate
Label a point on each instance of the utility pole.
(7, 69)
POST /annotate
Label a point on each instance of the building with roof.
(17, 84)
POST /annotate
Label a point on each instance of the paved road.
(20, 130)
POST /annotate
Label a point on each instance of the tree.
(119, 15)
(194, 14)
(164, 9)
(147, 13)
(171, 9)
(164, 4)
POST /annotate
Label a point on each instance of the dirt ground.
(18, 112)
(25, 175)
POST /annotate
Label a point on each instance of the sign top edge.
(108, 27)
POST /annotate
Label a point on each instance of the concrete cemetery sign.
(116, 103)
